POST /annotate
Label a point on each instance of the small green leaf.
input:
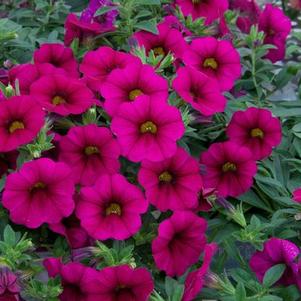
(103, 10)
(148, 2)
(9, 235)
(149, 25)
(273, 274)
(240, 292)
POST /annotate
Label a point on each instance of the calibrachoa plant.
(150, 150)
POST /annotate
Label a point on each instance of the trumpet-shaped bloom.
(255, 129)
(123, 283)
(217, 59)
(78, 281)
(40, 192)
(277, 251)
(90, 151)
(201, 91)
(97, 65)
(130, 83)
(111, 208)
(195, 280)
(84, 29)
(209, 9)
(62, 95)
(148, 129)
(181, 240)
(230, 175)
(173, 183)
(21, 119)
(58, 56)
(276, 26)
(167, 40)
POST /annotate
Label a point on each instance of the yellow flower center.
(159, 51)
(113, 208)
(257, 133)
(148, 127)
(210, 63)
(57, 100)
(135, 93)
(229, 167)
(91, 150)
(16, 125)
(165, 177)
(196, 1)
(38, 186)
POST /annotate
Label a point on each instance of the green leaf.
(174, 289)
(148, 2)
(9, 236)
(149, 25)
(240, 292)
(273, 274)
(103, 10)
(271, 298)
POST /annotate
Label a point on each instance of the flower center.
(257, 133)
(38, 186)
(196, 1)
(57, 100)
(113, 208)
(159, 51)
(210, 63)
(148, 127)
(165, 177)
(16, 125)
(229, 167)
(91, 150)
(135, 93)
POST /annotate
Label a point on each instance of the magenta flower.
(9, 285)
(255, 129)
(249, 13)
(195, 280)
(70, 227)
(230, 175)
(297, 195)
(201, 91)
(276, 26)
(122, 283)
(128, 84)
(83, 29)
(21, 119)
(27, 74)
(111, 208)
(90, 151)
(167, 40)
(78, 281)
(174, 22)
(40, 192)
(204, 199)
(209, 9)
(180, 242)
(148, 129)
(217, 59)
(57, 55)
(97, 65)
(277, 251)
(62, 95)
(173, 183)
